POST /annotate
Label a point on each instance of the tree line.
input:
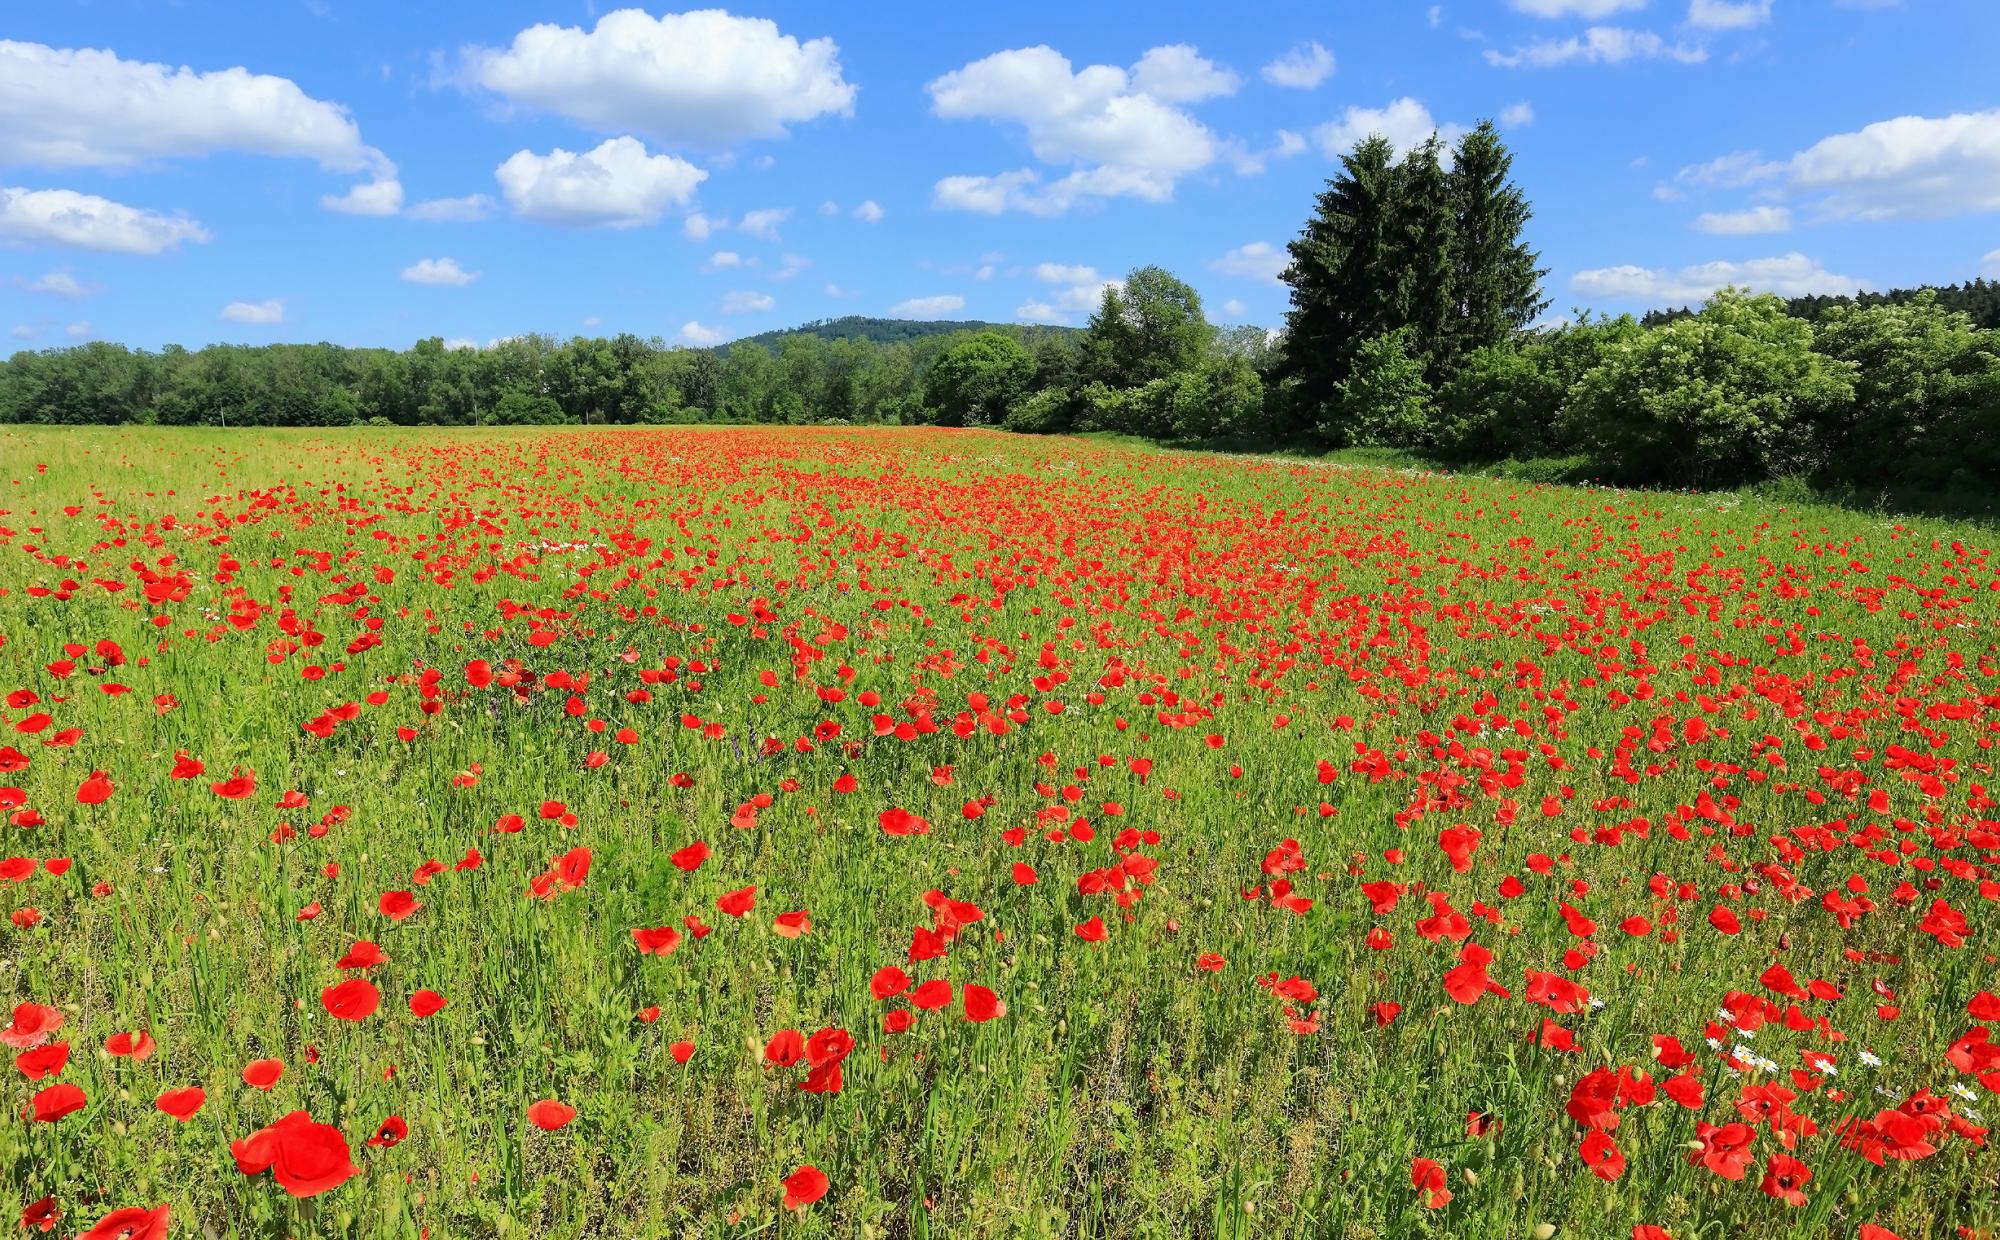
(1416, 324)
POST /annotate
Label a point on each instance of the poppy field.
(822, 832)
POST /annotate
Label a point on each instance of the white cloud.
(704, 77)
(617, 185)
(723, 260)
(1990, 265)
(461, 343)
(381, 196)
(438, 271)
(702, 337)
(1752, 220)
(87, 222)
(1518, 115)
(747, 302)
(1259, 260)
(700, 227)
(834, 290)
(1039, 312)
(763, 224)
(1728, 14)
(84, 107)
(272, 311)
(1588, 10)
(1302, 68)
(1434, 16)
(1177, 73)
(928, 307)
(1066, 273)
(1234, 308)
(57, 283)
(792, 265)
(869, 212)
(79, 331)
(1909, 167)
(1404, 122)
(1732, 171)
(1598, 45)
(1120, 138)
(1247, 162)
(591, 320)
(466, 210)
(829, 207)
(1793, 275)
(21, 331)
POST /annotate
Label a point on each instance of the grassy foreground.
(1302, 850)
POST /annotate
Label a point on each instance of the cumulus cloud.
(466, 210)
(763, 224)
(869, 212)
(928, 307)
(700, 227)
(1518, 115)
(1404, 122)
(85, 107)
(1990, 265)
(1039, 312)
(1122, 132)
(1792, 275)
(701, 337)
(1259, 260)
(1908, 167)
(272, 311)
(1765, 219)
(1728, 14)
(1177, 73)
(1301, 68)
(1234, 308)
(438, 271)
(792, 265)
(1598, 45)
(617, 185)
(747, 302)
(57, 283)
(88, 222)
(724, 260)
(382, 196)
(706, 77)
(80, 331)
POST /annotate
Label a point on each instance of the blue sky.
(370, 173)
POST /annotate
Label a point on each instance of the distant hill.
(889, 331)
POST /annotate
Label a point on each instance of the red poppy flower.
(130, 1223)
(56, 1101)
(737, 903)
(263, 1073)
(181, 1103)
(549, 1114)
(804, 1186)
(305, 1158)
(96, 789)
(354, 999)
(398, 905)
(138, 1047)
(390, 1134)
(1427, 1177)
(34, 1024)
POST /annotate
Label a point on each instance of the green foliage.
(1149, 329)
(1725, 396)
(865, 330)
(977, 380)
(1385, 401)
(1926, 392)
(1047, 412)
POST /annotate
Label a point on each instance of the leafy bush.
(1714, 399)
(977, 380)
(1926, 393)
(1385, 401)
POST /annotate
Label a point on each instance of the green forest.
(1417, 325)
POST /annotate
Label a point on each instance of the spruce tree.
(1426, 259)
(1345, 287)
(1497, 286)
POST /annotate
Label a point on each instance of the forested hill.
(1977, 299)
(887, 331)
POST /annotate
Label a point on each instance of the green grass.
(1124, 1092)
